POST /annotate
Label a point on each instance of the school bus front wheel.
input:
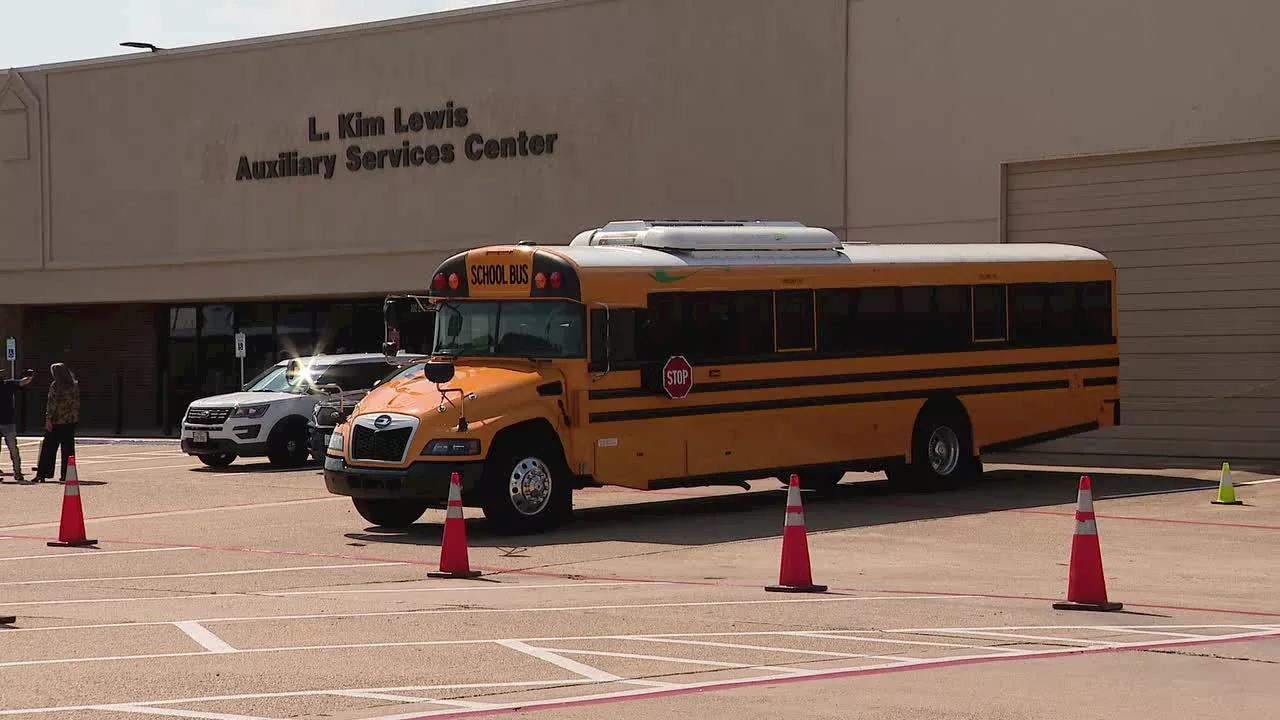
(526, 485)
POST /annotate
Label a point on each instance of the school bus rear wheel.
(942, 456)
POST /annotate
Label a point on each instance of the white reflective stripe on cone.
(454, 511)
(1086, 527)
(1086, 501)
(72, 489)
(794, 517)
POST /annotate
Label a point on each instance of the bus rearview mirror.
(438, 372)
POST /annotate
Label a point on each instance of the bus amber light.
(540, 280)
(453, 281)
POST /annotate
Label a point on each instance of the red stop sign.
(677, 377)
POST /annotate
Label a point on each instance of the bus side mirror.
(438, 372)
(390, 349)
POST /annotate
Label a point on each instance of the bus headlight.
(459, 446)
(336, 442)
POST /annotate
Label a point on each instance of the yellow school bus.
(651, 355)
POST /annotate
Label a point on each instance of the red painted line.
(1072, 513)
(162, 513)
(615, 578)
(771, 682)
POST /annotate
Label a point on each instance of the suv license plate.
(200, 436)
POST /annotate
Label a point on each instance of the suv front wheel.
(287, 445)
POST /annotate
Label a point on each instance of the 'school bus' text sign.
(499, 273)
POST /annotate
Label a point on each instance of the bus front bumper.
(427, 481)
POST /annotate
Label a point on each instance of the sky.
(39, 32)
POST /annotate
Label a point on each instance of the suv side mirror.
(330, 389)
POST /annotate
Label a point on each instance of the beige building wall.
(941, 92)
(714, 108)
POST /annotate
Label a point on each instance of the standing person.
(8, 393)
(62, 413)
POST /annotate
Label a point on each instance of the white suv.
(269, 417)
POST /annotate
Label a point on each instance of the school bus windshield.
(511, 328)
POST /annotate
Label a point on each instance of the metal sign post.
(240, 353)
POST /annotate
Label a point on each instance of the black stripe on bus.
(1097, 381)
(810, 380)
(1040, 437)
(817, 401)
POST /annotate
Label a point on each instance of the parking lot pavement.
(252, 593)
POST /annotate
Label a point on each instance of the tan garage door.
(1196, 237)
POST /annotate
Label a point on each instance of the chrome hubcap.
(944, 450)
(530, 486)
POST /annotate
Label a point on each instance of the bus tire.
(527, 487)
(390, 513)
(942, 456)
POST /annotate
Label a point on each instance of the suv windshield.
(512, 328)
(348, 376)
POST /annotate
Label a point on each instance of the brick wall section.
(97, 342)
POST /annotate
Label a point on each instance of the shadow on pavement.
(759, 513)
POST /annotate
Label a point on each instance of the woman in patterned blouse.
(62, 413)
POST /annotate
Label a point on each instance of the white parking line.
(95, 553)
(221, 573)
(738, 646)
(296, 693)
(364, 591)
(207, 640)
(559, 661)
(175, 712)
(473, 611)
(538, 647)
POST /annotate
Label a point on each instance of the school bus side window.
(1056, 314)
(794, 319)
(861, 321)
(709, 327)
(625, 325)
(990, 318)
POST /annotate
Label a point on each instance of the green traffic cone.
(1226, 490)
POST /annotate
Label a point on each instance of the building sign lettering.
(358, 157)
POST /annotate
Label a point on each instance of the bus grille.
(384, 446)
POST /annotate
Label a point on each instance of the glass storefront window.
(295, 330)
(182, 322)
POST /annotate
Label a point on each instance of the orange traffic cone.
(1086, 587)
(71, 529)
(453, 550)
(794, 575)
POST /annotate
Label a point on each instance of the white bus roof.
(685, 243)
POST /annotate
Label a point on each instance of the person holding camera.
(8, 393)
